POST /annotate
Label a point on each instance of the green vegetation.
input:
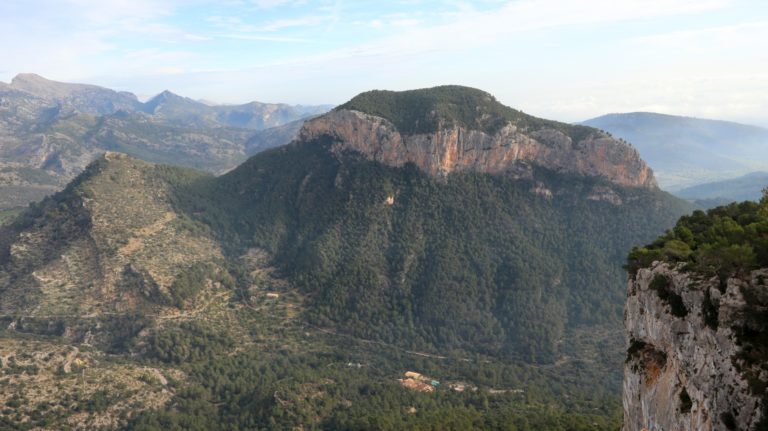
(724, 241)
(190, 342)
(427, 110)
(6, 216)
(188, 283)
(472, 278)
(469, 263)
(314, 386)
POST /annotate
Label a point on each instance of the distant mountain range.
(686, 151)
(49, 132)
(167, 106)
(747, 187)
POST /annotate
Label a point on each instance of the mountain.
(747, 187)
(93, 249)
(49, 132)
(696, 322)
(452, 128)
(88, 99)
(259, 116)
(180, 110)
(94, 275)
(273, 137)
(319, 283)
(686, 151)
(167, 106)
(335, 207)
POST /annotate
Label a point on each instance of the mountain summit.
(452, 128)
(86, 98)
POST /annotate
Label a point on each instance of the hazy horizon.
(568, 61)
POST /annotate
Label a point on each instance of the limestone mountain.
(92, 278)
(49, 132)
(686, 151)
(300, 285)
(95, 100)
(378, 225)
(389, 236)
(453, 128)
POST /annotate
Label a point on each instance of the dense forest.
(724, 241)
(476, 262)
(320, 390)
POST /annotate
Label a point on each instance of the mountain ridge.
(454, 128)
(112, 101)
(746, 187)
(686, 151)
(50, 131)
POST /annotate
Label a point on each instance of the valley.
(258, 288)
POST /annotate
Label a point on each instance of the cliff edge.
(454, 129)
(696, 322)
(690, 365)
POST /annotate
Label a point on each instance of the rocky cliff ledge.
(696, 351)
(454, 148)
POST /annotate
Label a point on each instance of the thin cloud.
(238, 25)
(264, 38)
(723, 34)
(270, 4)
(281, 24)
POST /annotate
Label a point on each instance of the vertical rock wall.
(691, 357)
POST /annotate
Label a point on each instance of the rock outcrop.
(455, 148)
(694, 357)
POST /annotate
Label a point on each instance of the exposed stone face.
(456, 149)
(681, 372)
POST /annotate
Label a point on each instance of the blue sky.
(562, 59)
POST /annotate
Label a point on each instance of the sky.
(568, 60)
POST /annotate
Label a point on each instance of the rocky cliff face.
(695, 352)
(457, 149)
